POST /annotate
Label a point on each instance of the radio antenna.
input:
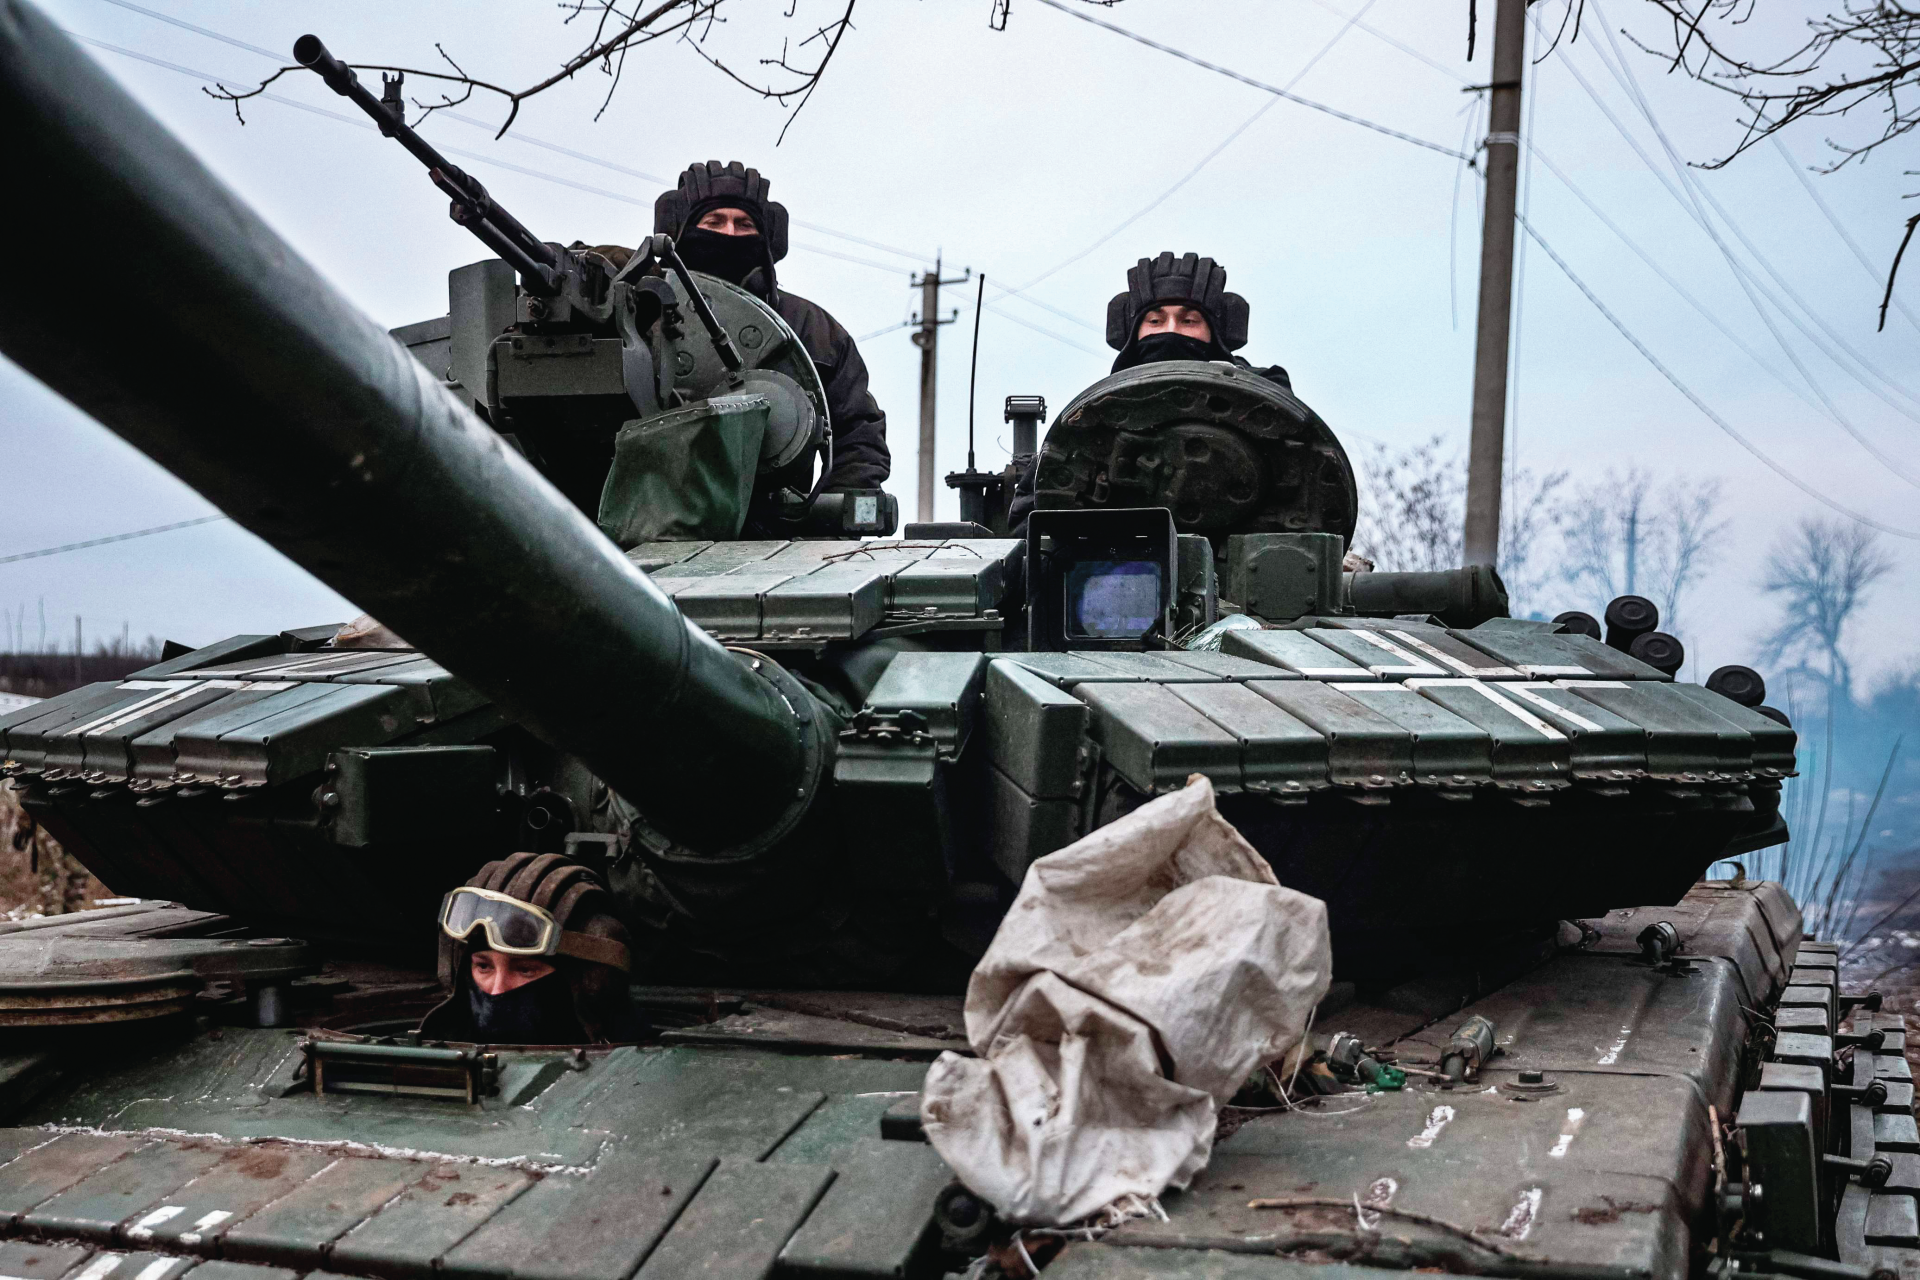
(974, 377)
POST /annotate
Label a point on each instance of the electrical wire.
(522, 138)
(1249, 81)
(545, 177)
(534, 173)
(117, 537)
(1753, 289)
(1623, 75)
(1839, 228)
(1702, 405)
(1194, 172)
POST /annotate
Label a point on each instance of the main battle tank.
(813, 769)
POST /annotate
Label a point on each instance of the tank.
(814, 767)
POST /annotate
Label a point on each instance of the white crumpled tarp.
(1141, 975)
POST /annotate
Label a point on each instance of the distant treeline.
(42, 675)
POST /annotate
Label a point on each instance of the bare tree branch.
(1859, 59)
(617, 32)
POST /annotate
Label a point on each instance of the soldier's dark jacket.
(859, 427)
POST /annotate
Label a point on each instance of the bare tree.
(1410, 508)
(1411, 515)
(1859, 56)
(1822, 571)
(1531, 517)
(612, 32)
(1629, 536)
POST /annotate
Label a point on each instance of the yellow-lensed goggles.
(517, 928)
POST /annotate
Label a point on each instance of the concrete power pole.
(927, 338)
(1486, 450)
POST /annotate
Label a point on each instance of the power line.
(1753, 289)
(1771, 368)
(1700, 404)
(523, 138)
(1249, 81)
(1839, 228)
(535, 173)
(1194, 172)
(1623, 74)
(118, 537)
(1384, 38)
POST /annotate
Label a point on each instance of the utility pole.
(927, 338)
(1486, 449)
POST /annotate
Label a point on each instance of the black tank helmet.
(712, 185)
(580, 905)
(1190, 281)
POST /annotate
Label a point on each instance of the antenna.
(972, 378)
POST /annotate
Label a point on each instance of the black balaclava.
(541, 1012)
(1167, 346)
(1187, 281)
(744, 260)
(732, 258)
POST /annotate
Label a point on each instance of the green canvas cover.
(686, 474)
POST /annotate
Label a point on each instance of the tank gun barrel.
(473, 208)
(208, 344)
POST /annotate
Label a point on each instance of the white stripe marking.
(1553, 708)
(1440, 655)
(157, 1268)
(101, 1267)
(1408, 665)
(1492, 694)
(1438, 1119)
(1520, 1219)
(1575, 1118)
(132, 709)
(206, 1223)
(1612, 1055)
(143, 1229)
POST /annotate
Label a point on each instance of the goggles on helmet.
(517, 928)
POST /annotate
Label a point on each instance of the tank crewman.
(1179, 309)
(531, 953)
(1172, 309)
(723, 224)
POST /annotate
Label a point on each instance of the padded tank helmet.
(712, 185)
(1190, 281)
(592, 948)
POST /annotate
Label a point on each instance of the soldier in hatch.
(723, 224)
(532, 954)
(1172, 309)
(1179, 309)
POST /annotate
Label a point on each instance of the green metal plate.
(43, 1172)
(242, 1184)
(1527, 749)
(1278, 752)
(443, 1204)
(1034, 731)
(120, 1193)
(585, 1228)
(877, 1216)
(1156, 741)
(296, 1229)
(1292, 651)
(1364, 748)
(1448, 751)
(738, 1223)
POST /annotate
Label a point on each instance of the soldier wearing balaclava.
(1179, 309)
(1172, 309)
(723, 224)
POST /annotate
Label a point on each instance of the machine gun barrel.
(213, 348)
(473, 208)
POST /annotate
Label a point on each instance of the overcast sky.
(1013, 153)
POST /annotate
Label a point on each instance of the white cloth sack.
(1141, 975)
